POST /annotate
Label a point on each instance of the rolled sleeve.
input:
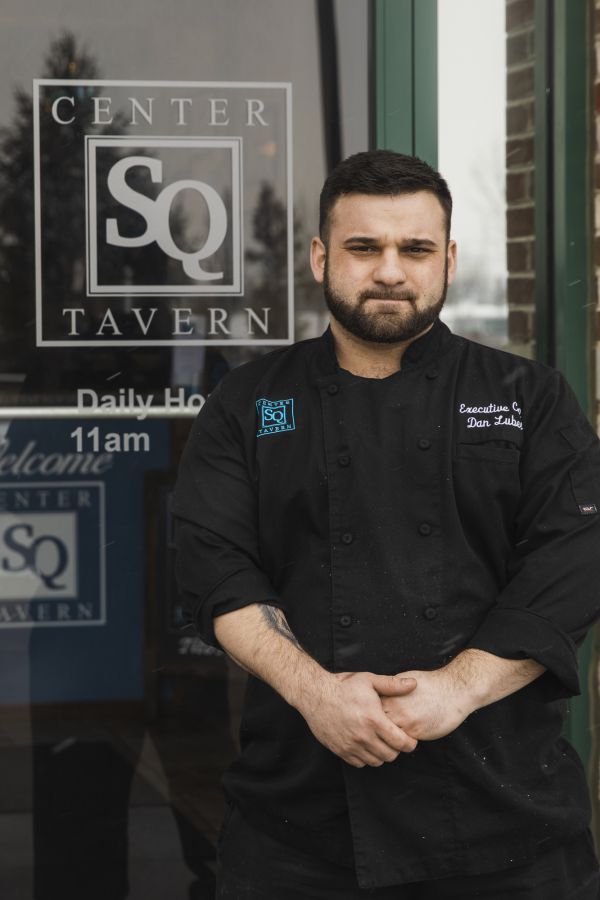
(552, 596)
(218, 565)
(521, 634)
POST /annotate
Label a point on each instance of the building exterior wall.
(520, 178)
(521, 40)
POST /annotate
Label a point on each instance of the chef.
(396, 532)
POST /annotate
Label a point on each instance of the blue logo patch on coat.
(274, 416)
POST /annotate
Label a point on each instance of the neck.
(368, 359)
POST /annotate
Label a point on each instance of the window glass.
(160, 166)
(486, 154)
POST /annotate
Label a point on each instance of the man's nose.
(389, 269)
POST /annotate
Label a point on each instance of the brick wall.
(520, 177)
(520, 174)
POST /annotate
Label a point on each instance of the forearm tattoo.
(276, 620)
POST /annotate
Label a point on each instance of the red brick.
(520, 84)
(519, 14)
(519, 118)
(519, 152)
(520, 291)
(518, 186)
(520, 222)
(520, 326)
(519, 48)
(519, 256)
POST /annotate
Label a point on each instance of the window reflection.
(115, 723)
(473, 110)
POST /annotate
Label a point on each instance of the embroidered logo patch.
(274, 416)
(588, 509)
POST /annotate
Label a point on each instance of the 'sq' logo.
(274, 416)
(45, 556)
(156, 214)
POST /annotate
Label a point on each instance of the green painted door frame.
(406, 77)
(406, 120)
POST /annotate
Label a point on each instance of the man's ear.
(318, 255)
(451, 261)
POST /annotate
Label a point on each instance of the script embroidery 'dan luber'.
(492, 414)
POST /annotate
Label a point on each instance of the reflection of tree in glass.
(269, 253)
(62, 165)
(17, 313)
(270, 233)
(62, 206)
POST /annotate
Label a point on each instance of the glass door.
(159, 177)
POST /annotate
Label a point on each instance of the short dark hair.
(381, 172)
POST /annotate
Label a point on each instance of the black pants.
(254, 866)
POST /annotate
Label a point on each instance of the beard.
(385, 328)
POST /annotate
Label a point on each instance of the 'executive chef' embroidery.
(492, 414)
(274, 416)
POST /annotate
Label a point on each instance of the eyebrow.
(407, 242)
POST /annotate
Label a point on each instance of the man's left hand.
(443, 698)
(436, 707)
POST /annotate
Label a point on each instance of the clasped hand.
(435, 707)
(369, 719)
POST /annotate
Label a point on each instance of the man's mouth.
(390, 298)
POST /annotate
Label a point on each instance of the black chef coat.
(398, 521)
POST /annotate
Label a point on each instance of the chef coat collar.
(422, 350)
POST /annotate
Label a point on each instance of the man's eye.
(417, 250)
(362, 248)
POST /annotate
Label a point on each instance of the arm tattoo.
(275, 619)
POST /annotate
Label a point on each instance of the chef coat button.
(432, 372)
(343, 460)
(425, 529)
(430, 612)
(345, 621)
(347, 537)
(332, 389)
(423, 444)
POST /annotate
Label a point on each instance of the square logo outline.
(39, 516)
(284, 86)
(263, 404)
(100, 486)
(93, 289)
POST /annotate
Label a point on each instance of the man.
(395, 531)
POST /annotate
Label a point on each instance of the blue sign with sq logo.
(274, 416)
(52, 568)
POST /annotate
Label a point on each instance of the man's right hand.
(345, 714)
(343, 710)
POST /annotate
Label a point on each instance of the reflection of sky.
(472, 109)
